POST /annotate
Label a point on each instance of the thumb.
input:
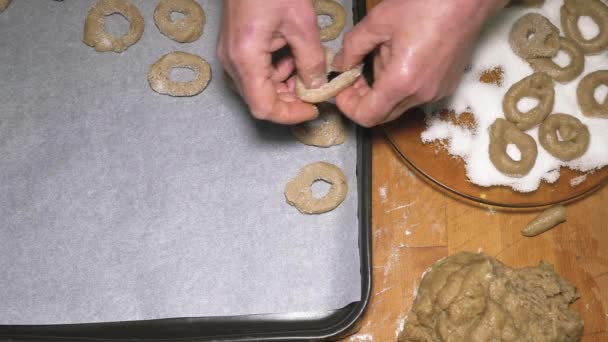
(358, 43)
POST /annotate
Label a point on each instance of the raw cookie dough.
(573, 139)
(332, 88)
(325, 131)
(503, 133)
(159, 75)
(4, 4)
(558, 73)
(538, 86)
(534, 36)
(94, 26)
(185, 30)
(298, 192)
(545, 221)
(572, 10)
(338, 18)
(473, 297)
(586, 95)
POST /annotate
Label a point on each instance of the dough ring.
(503, 133)
(586, 95)
(534, 36)
(185, 30)
(4, 4)
(298, 191)
(565, 74)
(332, 88)
(95, 35)
(538, 86)
(159, 75)
(338, 18)
(325, 131)
(573, 139)
(572, 10)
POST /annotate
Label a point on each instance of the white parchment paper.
(117, 203)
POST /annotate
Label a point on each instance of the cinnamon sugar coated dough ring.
(534, 36)
(571, 12)
(298, 191)
(338, 18)
(503, 133)
(573, 139)
(538, 86)
(186, 30)
(159, 75)
(558, 73)
(4, 4)
(332, 88)
(94, 26)
(325, 131)
(586, 95)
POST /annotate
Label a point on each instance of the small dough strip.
(545, 221)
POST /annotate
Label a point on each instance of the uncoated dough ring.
(94, 26)
(572, 10)
(543, 43)
(503, 133)
(186, 30)
(298, 192)
(325, 131)
(565, 74)
(574, 135)
(159, 75)
(586, 95)
(4, 4)
(332, 88)
(338, 18)
(538, 86)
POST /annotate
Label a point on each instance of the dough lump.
(325, 131)
(4, 4)
(94, 26)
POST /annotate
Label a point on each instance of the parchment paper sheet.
(117, 203)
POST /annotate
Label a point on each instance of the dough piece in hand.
(186, 30)
(538, 86)
(573, 139)
(558, 73)
(332, 88)
(545, 221)
(326, 130)
(159, 76)
(534, 36)
(473, 297)
(338, 18)
(94, 26)
(571, 12)
(4, 4)
(298, 192)
(586, 95)
(503, 133)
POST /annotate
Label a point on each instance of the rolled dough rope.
(338, 18)
(4, 4)
(325, 131)
(572, 10)
(503, 133)
(298, 191)
(94, 26)
(534, 36)
(538, 86)
(573, 139)
(185, 30)
(332, 88)
(586, 95)
(545, 221)
(558, 73)
(159, 76)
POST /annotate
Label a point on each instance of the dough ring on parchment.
(4, 4)
(534, 36)
(538, 86)
(586, 95)
(503, 133)
(186, 30)
(332, 88)
(159, 75)
(298, 192)
(325, 131)
(338, 18)
(567, 73)
(572, 141)
(94, 26)
(572, 10)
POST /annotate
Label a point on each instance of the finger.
(358, 43)
(283, 69)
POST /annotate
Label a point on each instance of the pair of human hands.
(421, 50)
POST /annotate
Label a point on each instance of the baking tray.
(274, 327)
